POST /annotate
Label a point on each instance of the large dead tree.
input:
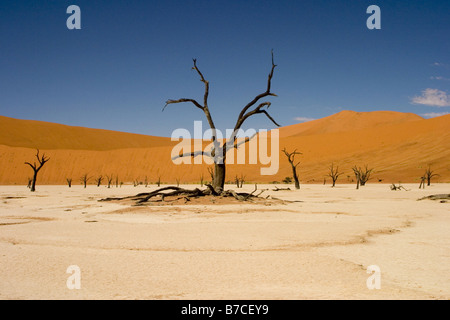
(36, 167)
(291, 159)
(219, 150)
(334, 174)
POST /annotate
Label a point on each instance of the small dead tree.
(201, 180)
(109, 179)
(362, 175)
(334, 174)
(146, 181)
(84, 179)
(36, 167)
(99, 180)
(158, 182)
(178, 181)
(69, 182)
(429, 174)
(241, 180)
(30, 180)
(291, 159)
(117, 181)
(211, 173)
(422, 182)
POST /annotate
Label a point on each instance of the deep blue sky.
(131, 56)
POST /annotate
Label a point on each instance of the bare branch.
(183, 100)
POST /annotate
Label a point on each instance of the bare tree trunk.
(219, 177)
(33, 183)
(41, 160)
(294, 173)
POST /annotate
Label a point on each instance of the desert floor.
(318, 247)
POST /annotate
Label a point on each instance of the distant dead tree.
(69, 182)
(36, 167)
(429, 174)
(236, 180)
(146, 181)
(109, 179)
(158, 182)
(178, 181)
(99, 180)
(422, 182)
(201, 180)
(362, 175)
(30, 180)
(211, 173)
(117, 181)
(239, 180)
(334, 174)
(84, 179)
(291, 159)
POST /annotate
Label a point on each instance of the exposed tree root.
(172, 194)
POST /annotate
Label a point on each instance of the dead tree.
(241, 180)
(178, 181)
(117, 181)
(218, 152)
(422, 182)
(109, 179)
(291, 159)
(362, 175)
(158, 182)
(99, 180)
(334, 174)
(69, 182)
(36, 167)
(84, 179)
(30, 180)
(201, 180)
(211, 173)
(429, 174)
(146, 181)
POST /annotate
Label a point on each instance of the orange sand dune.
(398, 146)
(348, 121)
(46, 135)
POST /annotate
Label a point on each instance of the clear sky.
(131, 56)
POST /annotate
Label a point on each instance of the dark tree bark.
(84, 179)
(69, 182)
(362, 175)
(422, 182)
(36, 167)
(429, 174)
(334, 174)
(109, 178)
(291, 159)
(99, 180)
(218, 151)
